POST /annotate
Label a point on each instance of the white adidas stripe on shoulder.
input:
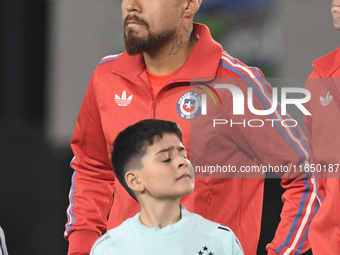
(110, 56)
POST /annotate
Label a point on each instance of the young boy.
(151, 163)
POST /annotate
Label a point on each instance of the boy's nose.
(183, 162)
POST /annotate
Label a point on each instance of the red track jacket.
(322, 130)
(119, 95)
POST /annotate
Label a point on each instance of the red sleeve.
(308, 118)
(313, 80)
(277, 145)
(91, 193)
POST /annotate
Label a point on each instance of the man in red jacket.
(164, 51)
(322, 130)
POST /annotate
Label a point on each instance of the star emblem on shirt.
(205, 251)
(188, 105)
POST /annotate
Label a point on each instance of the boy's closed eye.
(167, 160)
(166, 155)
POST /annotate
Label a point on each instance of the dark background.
(35, 177)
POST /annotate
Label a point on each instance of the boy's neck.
(160, 213)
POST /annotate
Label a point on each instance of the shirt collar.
(186, 224)
(327, 65)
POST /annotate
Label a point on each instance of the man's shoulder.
(121, 64)
(109, 58)
(237, 69)
(325, 66)
(110, 237)
(109, 62)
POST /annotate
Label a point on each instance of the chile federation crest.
(189, 105)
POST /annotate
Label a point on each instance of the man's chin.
(134, 45)
(336, 24)
(336, 20)
(133, 34)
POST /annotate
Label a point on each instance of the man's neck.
(160, 214)
(171, 56)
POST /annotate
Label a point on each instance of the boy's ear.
(133, 181)
(191, 7)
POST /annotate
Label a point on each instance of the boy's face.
(166, 169)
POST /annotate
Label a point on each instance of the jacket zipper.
(153, 109)
(153, 105)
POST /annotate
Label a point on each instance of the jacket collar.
(327, 65)
(202, 62)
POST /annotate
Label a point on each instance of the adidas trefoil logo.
(123, 101)
(327, 100)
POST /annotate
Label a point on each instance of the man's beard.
(135, 45)
(336, 23)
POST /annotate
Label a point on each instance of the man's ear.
(191, 7)
(133, 181)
